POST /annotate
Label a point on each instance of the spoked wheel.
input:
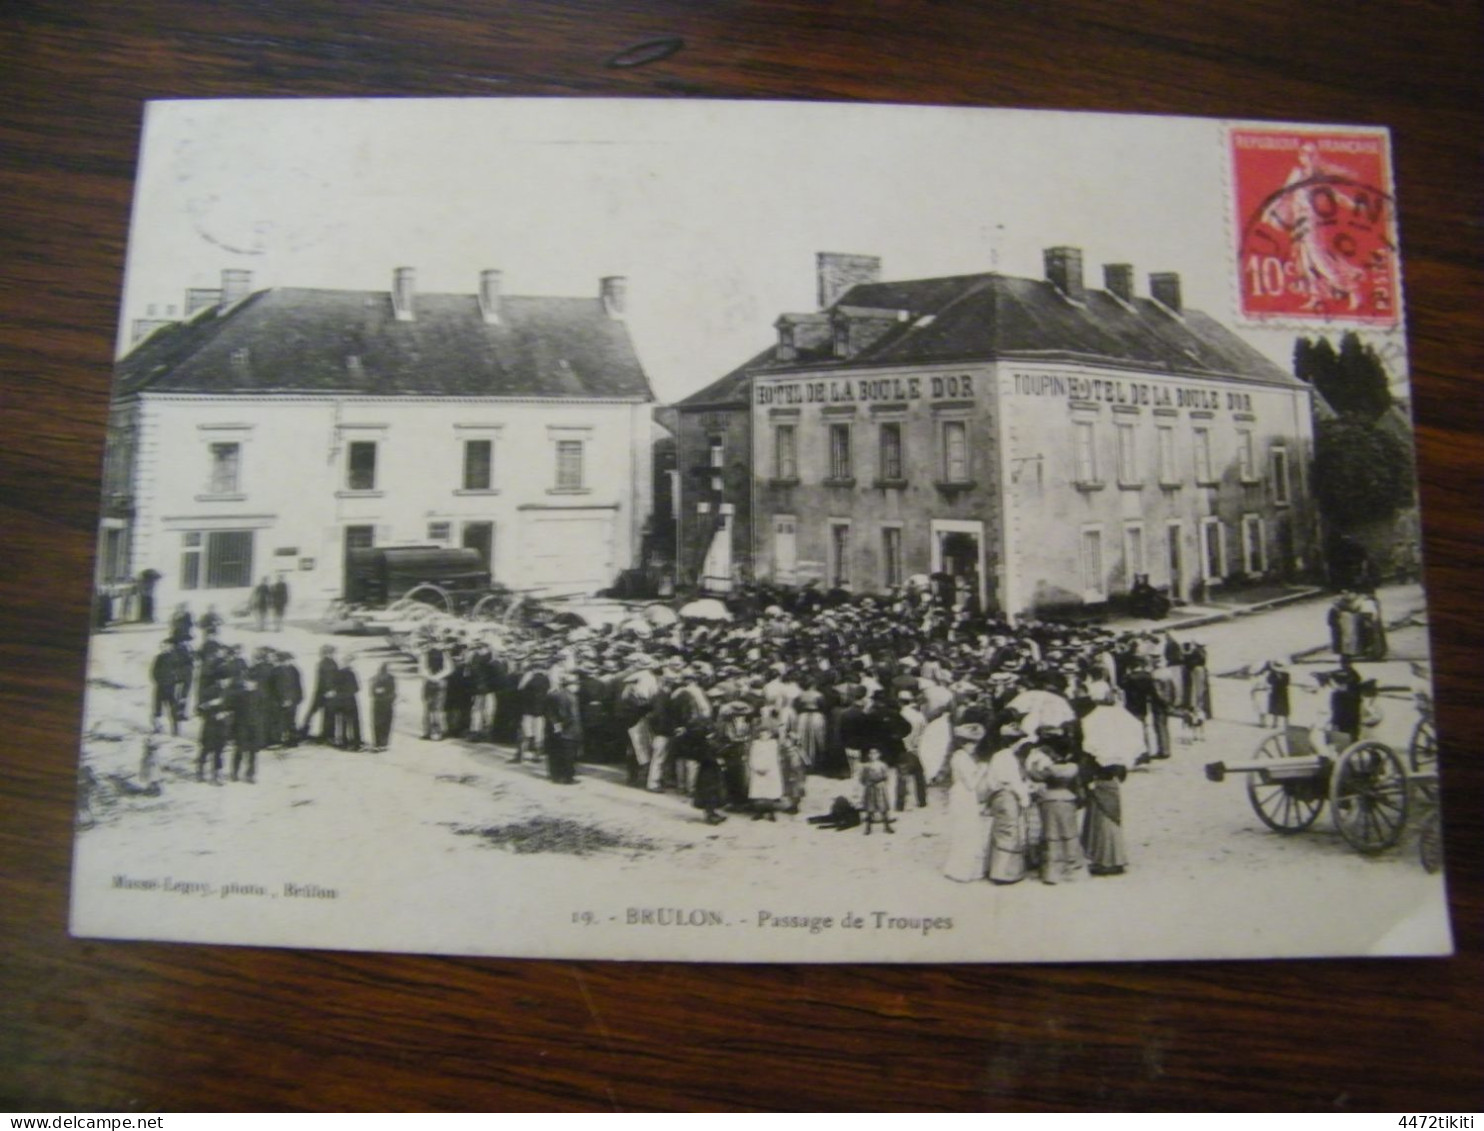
(1287, 806)
(429, 594)
(1424, 751)
(1369, 797)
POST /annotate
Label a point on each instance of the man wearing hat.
(693, 712)
(909, 765)
(1273, 680)
(663, 718)
(288, 690)
(532, 690)
(564, 730)
(325, 673)
(638, 689)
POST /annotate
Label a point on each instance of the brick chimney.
(1118, 280)
(838, 271)
(614, 291)
(1164, 288)
(404, 290)
(489, 296)
(236, 286)
(1064, 271)
(144, 327)
(199, 298)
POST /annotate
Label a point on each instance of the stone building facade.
(1039, 441)
(272, 432)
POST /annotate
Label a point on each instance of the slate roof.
(731, 391)
(291, 339)
(991, 316)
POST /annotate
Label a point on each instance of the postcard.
(760, 532)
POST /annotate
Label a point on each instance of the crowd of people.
(1031, 728)
(248, 700)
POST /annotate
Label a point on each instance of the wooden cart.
(1372, 790)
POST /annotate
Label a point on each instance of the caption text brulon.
(814, 924)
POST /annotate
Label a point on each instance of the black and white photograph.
(760, 532)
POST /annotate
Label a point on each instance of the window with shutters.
(479, 465)
(785, 453)
(955, 441)
(1085, 441)
(569, 469)
(841, 467)
(1203, 465)
(1128, 458)
(226, 468)
(891, 556)
(891, 451)
(360, 465)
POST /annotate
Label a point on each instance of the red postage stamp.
(1315, 224)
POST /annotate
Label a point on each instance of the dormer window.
(787, 350)
(841, 329)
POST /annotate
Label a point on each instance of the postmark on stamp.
(1315, 225)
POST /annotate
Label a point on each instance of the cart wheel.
(1285, 807)
(1369, 796)
(1430, 843)
(429, 594)
(1424, 750)
(490, 607)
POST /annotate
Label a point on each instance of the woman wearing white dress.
(968, 822)
(1009, 794)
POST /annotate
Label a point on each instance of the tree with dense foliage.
(1362, 473)
(1352, 379)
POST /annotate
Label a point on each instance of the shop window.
(216, 559)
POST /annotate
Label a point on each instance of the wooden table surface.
(95, 1025)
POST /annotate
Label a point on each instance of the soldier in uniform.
(325, 673)
(216, 723)
(347, 710)
(288, 691)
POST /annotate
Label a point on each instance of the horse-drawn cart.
(1372, 789)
